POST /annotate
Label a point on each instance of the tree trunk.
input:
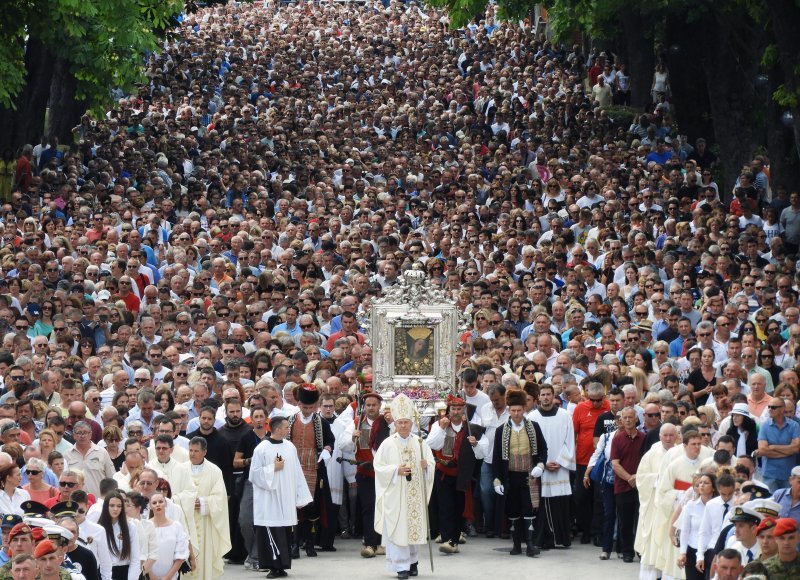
(784, 16)
(686, 74)
(731, 49)
(639, 48)
(65, 110)
(25, 124)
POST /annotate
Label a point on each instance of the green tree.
(70, 53)
(714, 52)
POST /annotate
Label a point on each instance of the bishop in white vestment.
(401, 493)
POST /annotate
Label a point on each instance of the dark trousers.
(451, 507)
(609, 515)
(238, 544)
(584, 502)
(119, 572)
(692, 573)
(518, 496)
(366, 500)
(628, 514)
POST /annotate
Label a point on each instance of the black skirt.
(119, 572)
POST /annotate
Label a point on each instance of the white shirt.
(488, 418)
(711, 524)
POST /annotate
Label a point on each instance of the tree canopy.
(94, 45)
(733, 65)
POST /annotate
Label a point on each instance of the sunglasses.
(33, 471)
(68, 484)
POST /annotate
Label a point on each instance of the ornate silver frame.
(423, 314)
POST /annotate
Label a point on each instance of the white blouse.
(11, 505)
(133, 561)
(691, 517)
(173, 544)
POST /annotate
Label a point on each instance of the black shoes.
(327, 549)
(277, 573)
(295, 552)
(414, 570)
(627, 559)
(403, 575)
(310, 551)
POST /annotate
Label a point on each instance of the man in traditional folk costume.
(646, 478)
(675, 478)
(401, 493)
(553, 520)
(455, 447)
(314, 441)
(518, 460)
(363, 436)
(279, 490)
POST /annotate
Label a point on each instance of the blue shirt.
(778, 467)
(784, 498)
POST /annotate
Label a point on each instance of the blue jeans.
(775, 484)
(488, 497)
(609, 515)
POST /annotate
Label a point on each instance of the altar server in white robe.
(553, 521)
(279, 490)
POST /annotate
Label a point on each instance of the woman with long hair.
(121, 537)
(171, 539)
(703, 379)
(743, 430)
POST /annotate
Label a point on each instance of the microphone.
(408, 477)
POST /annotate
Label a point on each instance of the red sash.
(682, 485)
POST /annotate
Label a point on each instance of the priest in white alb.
(211, 535)
(404, 469)
(674, 480)
(646, 479)
(552, 528)
(279, 490)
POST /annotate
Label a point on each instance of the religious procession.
(341, 278)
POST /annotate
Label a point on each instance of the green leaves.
(105, 41)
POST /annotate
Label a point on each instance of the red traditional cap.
(454, 401)
(18, 530)
(784, 526)
(372, 394)
(766, 524)
(44, 548)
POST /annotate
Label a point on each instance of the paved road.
(479, 558)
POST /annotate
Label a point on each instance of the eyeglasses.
(600, 400)
(652, 415)
(33, 471)
(140, 380)
(68, 484)
(17, 377)
(507, 347)
(135, 433)
(775, 407)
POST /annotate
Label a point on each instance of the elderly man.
(91, 459)
(646, 478)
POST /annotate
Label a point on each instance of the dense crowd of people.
(184, 290)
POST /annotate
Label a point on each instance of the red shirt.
(628, 450)
(131, 301)
(583, 420)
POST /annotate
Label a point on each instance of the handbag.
(602, 471)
